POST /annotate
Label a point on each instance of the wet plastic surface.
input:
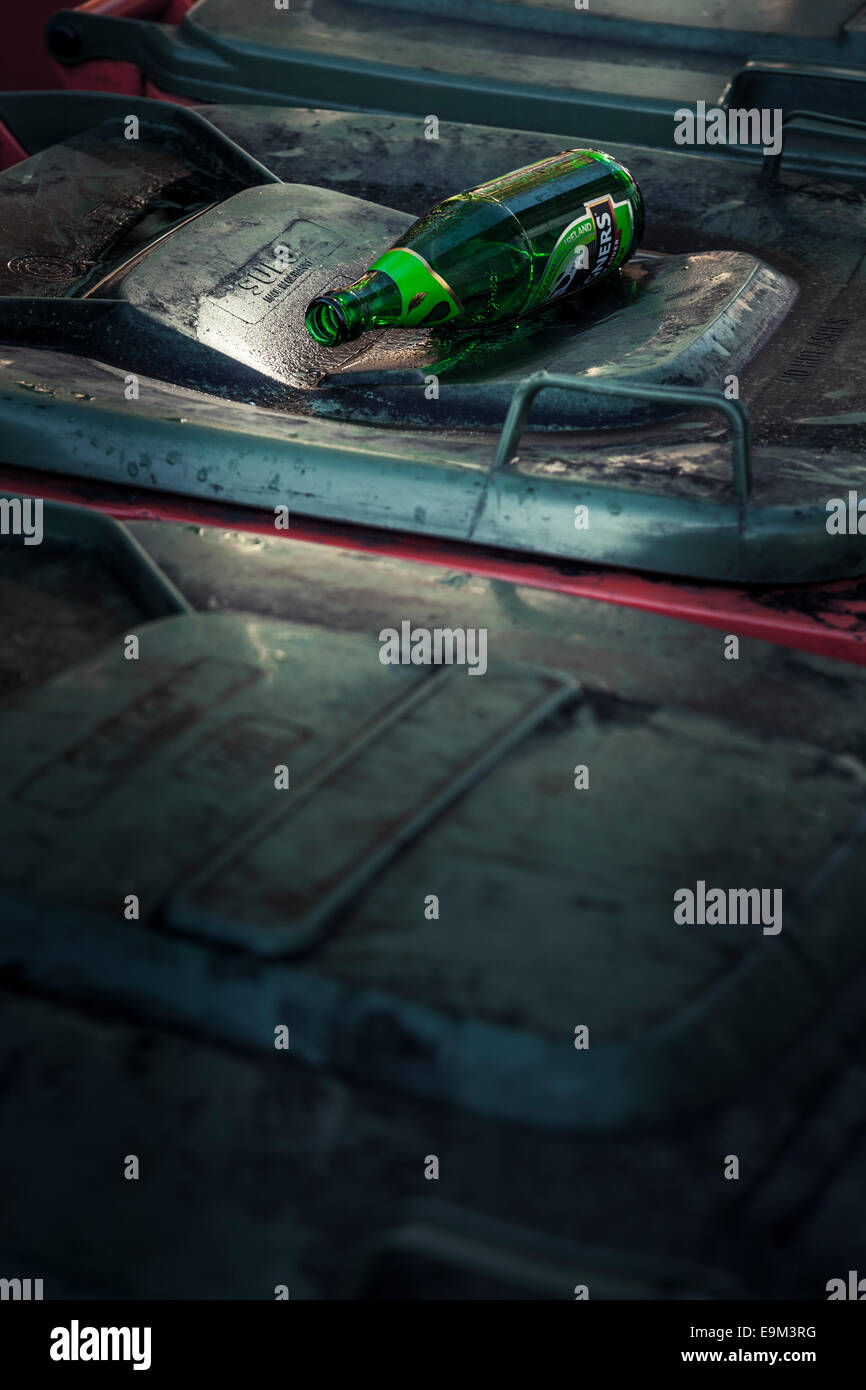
(374, 449)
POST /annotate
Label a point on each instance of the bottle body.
(496, 252)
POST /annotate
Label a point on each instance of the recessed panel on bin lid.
(689, 320)
(160, 762)
(240, 276)
(555, 907)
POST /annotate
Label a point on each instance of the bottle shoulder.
(457, 221)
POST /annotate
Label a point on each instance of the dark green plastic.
(156, 777)
(623, 461)
(538, 67)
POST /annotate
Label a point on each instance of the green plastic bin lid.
(266, 898)
(671, 319)
(571, 434)
(614, 72)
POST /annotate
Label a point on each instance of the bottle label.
(427, 298)
(596, 242)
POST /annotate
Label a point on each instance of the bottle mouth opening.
(327, 321)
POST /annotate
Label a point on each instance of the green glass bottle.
(496, 252)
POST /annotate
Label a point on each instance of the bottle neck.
(344, 314)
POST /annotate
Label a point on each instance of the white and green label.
(594, 243)
(569, 258)
(425, 296)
